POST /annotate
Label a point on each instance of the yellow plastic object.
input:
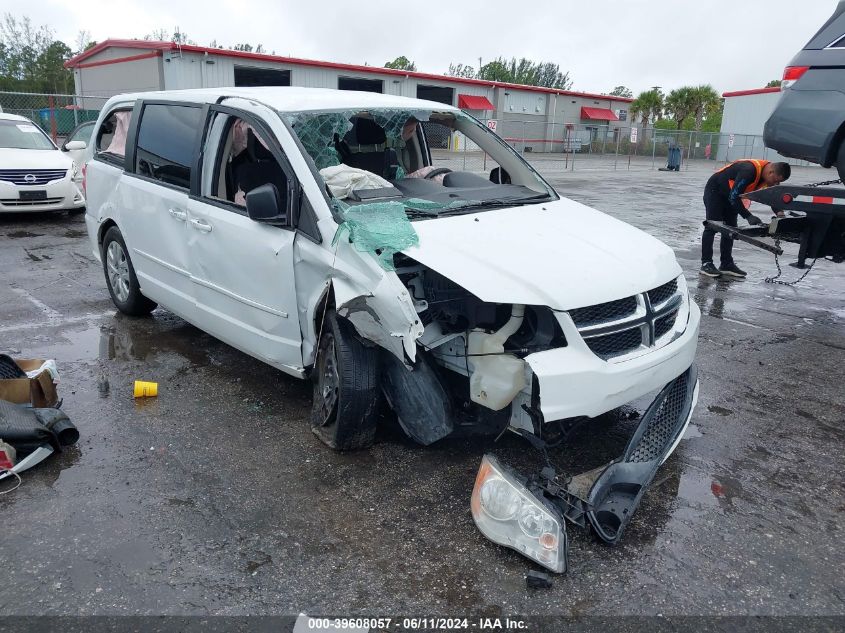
(144, 389)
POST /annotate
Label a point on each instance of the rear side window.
(165, 147)
(111, 137)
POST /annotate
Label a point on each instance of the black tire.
(346, 394)
(840, 162)
(127, 296)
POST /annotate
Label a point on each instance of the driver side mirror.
(74, 145)
(266, 204)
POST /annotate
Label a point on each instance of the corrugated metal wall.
(747, 114)
(744, 116)
(105, 81)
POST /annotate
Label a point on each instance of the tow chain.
(775, 280)
(824, 183)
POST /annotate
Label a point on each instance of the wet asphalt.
(215, 497)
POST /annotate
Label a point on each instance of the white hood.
(33, 159)
(560, 254)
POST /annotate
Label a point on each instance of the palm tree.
(649, 106)
(707, 102)
(681, 103)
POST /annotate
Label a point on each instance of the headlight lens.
(508, 514)
(498, 499)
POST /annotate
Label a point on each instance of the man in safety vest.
(723, 203)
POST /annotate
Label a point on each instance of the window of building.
(165, 148)
(436, 93)
(355, 83)
(252, 76)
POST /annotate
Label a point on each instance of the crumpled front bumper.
(574, 382)
(604, 499)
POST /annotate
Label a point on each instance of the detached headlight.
(508, 514)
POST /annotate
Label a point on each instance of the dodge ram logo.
(29, 178)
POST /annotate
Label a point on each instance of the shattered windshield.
(427, 163)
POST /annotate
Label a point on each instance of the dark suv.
(809, 120)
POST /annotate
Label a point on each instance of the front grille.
(618, 328)
(616, 344)
(604, 312)
(663, 425)
(664, 324)
(37, 176)
(14, 202)
(663, 293)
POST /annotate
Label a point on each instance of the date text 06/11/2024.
(416, 624)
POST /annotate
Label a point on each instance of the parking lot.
(216, 498)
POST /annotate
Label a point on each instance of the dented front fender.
(385, 315)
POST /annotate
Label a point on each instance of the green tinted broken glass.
(393, 121)
(316, 132)
(380, 228)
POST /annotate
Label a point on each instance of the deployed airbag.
(342, 180)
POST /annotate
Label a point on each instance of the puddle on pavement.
(701, 490)
(19, 234)
(719, 410)
(122, 340)
(692, 432)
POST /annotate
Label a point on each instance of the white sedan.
(34, 174)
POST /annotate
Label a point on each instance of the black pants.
(718, 208)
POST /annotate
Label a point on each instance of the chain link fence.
(56, 114)
(550, 147)
(556, 147)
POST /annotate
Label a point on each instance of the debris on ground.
(538, 580)
(32, 426)
(145, 389)
(29, 382)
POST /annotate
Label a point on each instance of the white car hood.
(560, 254)
(33, 159)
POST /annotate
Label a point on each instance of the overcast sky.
(731, 44)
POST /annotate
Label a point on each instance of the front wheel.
(120, 276)
(346, 393)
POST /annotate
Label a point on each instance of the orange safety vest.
(758, 165)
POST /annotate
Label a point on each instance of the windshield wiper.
(421, 213)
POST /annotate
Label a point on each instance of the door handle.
(179, 215)
(201, 225)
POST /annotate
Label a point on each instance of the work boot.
(709, 270)
(732, 270)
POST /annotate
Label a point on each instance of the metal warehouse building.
(541, 117)
(743, 118)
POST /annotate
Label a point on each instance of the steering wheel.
(437, 172)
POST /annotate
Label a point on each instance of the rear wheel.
(346, 394)
(840, 161)
(120, 276)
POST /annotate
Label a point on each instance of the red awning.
(598, 114)
(473, 102)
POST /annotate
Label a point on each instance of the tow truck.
(815, 220)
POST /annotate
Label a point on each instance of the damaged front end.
(527, 514)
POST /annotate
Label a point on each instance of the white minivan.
(335, 236)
